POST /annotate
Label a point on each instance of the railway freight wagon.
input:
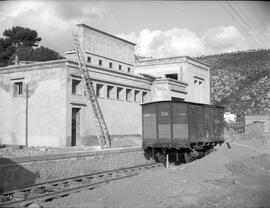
(182, 129)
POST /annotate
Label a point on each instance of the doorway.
(75, 126)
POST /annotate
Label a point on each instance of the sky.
(159, 28)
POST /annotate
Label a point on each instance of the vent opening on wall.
(100, 62)
(172, 76)
(89, 59)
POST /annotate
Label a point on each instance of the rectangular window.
(137, 96)
(100, 90)
(89, 59)
(128, 69)
(110, 65)
(120, 93)
(18, 88)
(172, 76)
(85, 91)
(198, 84)
(144, 97)
(120, 67)
(76, 87)
(129, 95)
(110, 92)
(100, 62)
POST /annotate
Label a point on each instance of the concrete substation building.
(43, 103)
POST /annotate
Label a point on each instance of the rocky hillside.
(241, 81)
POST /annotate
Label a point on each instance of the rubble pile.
(224, 178)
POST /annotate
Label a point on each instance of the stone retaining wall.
(23, 171)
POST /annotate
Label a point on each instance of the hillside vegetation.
(241, 81)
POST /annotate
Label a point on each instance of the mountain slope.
(241, 81)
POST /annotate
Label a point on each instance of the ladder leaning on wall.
(101, 128)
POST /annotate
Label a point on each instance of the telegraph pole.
(26, 115)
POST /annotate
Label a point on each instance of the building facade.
(185, 78)
(43, 104)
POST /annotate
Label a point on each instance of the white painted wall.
(46, 105)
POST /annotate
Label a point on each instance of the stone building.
(44, 104)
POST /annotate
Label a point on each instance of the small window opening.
(18, 88)
(128, 69)
(76, 87)
(110, 64)
(119, 93)
(144, 96)
(110, 94)
(128, 94)
(172, 76)
(120, 67)
(85, 92)
(99, 62)
(89, 59)
(137, 96)
(100, 90)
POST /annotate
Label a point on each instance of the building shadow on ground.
(13, 175)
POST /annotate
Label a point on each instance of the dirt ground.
(236, 177)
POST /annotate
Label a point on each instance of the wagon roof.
(180, 101)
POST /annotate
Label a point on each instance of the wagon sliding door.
(196, 123)
(179, 123)
(164, 123)
(149, 124)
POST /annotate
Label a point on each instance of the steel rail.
(25, 188)
(103, 177)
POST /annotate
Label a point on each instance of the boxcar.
(179, 125)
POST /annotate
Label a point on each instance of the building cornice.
(168, 80)
(73, 52)
(169, 60)
(65, 62)
(108, 71)
(33, 66)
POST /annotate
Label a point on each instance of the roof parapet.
(172, 59)
(105, 33)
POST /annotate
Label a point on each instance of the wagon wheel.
(160, 157)
(187, 157)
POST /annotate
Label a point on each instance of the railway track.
(59, 188)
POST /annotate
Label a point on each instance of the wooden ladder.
(101, 127)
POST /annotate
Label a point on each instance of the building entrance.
(75, 126)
